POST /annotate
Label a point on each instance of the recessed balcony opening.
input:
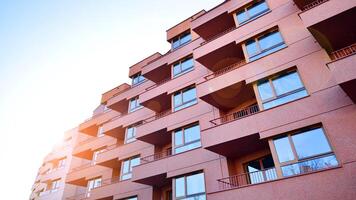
(305, 4)
(338, 41)
(161, 151)
(229, 56)
(159, 74)
(159, 104)
(120, 106)
(163, 191)
(216, 26)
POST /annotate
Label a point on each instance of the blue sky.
(57, 57)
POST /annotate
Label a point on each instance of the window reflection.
(186, 139)
(190, 187)
(185, 98)
(251, 12)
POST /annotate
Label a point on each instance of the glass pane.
(257, 9)
(197, 197)
(126, 176)
(284, 150)
(270, 39)
(175, 43)
(126, 166)
(241, 17)
(176, 69)
(251, 48)
(187, 64)
(133, 198)
(311, 143)
(178, 138)
(195, 184)
(141, 78)
(310, 166)
(286, 99)
(265, 90)
(180, 187)
(192, 134)
(267, 162)
(132, 104)
(134, 162)
(287, 83)
(189, 95)
(188, 147)
(130, 132)
(185, 39)
(177, 99)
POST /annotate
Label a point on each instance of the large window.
(92, 184)
(137, 79)
(190, 187)
(281, 89)
(251, 12)
(187, 138)
(184, 98)
(183, 66)
(134, 104)
(181, 40)
(55, 185)
(264, 45)
(130, 134)
(127, 166)
(304, 152)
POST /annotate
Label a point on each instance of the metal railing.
(236, 115)
(249, 178)
(313, 4)
(157, 116)
(341, 53)
(226, 69)
(156, 156)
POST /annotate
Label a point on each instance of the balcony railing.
(344, 52)
(250, 178)
(313, 4)
(236, 115)
(157, 116)
(156, 156)
(226, 69)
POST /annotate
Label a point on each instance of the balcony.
(272, 186)
(343, 70)
(86, 148)
(113, 92)
(215, 21)
(54, 174)
(157, 170)
(159, 70)
(80, 175)
(90, 126)
(336, 14)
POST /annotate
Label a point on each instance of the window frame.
(138, 106)
(296, 159)
(270, 79)
(182, 72)
(55, 185)
(132, 139)
(179, 38)
(139, 81)
(100, 132)
(186, 186)
(256, 40)
(245, 8)
(130, 167)
(183, 138)
(179, 107)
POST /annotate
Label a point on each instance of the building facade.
(255, 99)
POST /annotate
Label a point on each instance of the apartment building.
(50, 181)
(255, 99)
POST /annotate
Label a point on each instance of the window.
(137, 79)
(187, 138)
(183, 66)
(181, 40)
(62, 163)
(95, 156)
(304, 152)
(127, 166)
(92, 184)
(261, 170)
(100, 131)
(281, 89)
(55, 185)
(190, 187)
(264, 45)
(251, 12)
(185, 98)
(134, 104)
(130, 134)
(106, 109)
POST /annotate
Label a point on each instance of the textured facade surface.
(255, 99)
